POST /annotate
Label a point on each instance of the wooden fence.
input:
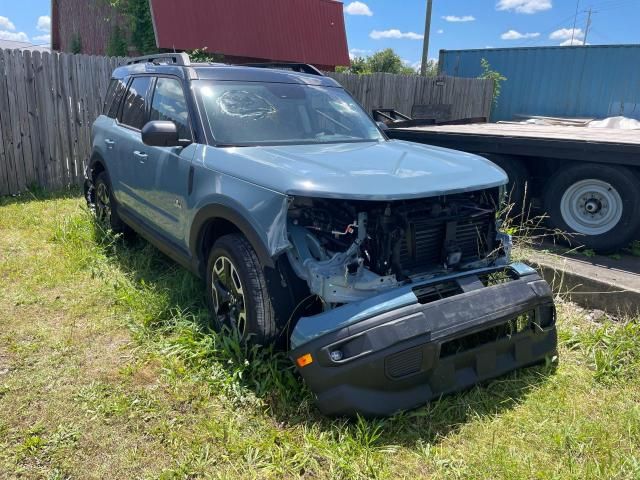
(468, 97)
(47, 105)
(48, 102)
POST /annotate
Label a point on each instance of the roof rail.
(296, 67)
(181, 59)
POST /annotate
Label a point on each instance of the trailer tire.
(597, 204)
(518, 191)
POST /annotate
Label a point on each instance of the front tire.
(237, 290)
(596, 203)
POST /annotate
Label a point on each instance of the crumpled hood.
(389, 170)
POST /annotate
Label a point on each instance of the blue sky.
(459, 24)
(377, 24)
(25, 21)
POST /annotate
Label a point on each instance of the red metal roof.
(309, 31)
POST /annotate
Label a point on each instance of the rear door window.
(169, 103)
(134, 110)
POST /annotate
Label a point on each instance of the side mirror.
(161, 133)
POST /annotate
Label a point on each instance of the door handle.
(141, 155)
(110, 143)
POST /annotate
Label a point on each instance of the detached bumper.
(452, 335)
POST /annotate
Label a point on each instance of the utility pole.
(425, 41)
(586, 28)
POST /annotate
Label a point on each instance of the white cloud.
(13, 36)
(394, 33)
(524, 6)
(44, 23)
(417, 66)
(515, 35)
(575, 41)
(359, 52)
(358, 8)
(40, 39)
(567, 34)
(6, 24)
(440, 30)
(454, 18)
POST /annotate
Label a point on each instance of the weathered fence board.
(48, 102)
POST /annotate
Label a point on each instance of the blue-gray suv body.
(378, 262)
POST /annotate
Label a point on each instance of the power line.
(587, 26)
(575, 18)
(543, 34)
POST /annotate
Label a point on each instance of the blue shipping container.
(581, 81)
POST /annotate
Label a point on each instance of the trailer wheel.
(597, 204)
(518, 177)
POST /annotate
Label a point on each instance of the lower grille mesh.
(404, 363)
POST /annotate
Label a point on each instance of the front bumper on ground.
(405, 351)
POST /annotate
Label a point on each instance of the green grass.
(109, 369)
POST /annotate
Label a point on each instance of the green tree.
(201, 55)
(358, 66)
(432, 68)
(142, 34)
(388, 61)
(76, 43)
(384, 61)
(490, 74)
(137, 16)
(118, 45)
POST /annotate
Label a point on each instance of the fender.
(95, 158)
(232, 215)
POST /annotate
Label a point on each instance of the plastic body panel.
(360, 383)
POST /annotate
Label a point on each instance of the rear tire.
(598, 204)
(106, 208)
(237, 291)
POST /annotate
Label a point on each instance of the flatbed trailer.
(586, 179)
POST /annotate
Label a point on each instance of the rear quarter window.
(113, 98)
(134, 110)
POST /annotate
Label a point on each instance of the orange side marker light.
(304, 360)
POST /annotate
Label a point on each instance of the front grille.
(521, 323)
(433, 293)
(423, 247)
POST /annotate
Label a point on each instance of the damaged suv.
(379, 263)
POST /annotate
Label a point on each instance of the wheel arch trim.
(217, 211)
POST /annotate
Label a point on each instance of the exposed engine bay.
(349, 250)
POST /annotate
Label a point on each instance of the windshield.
(251, 113)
